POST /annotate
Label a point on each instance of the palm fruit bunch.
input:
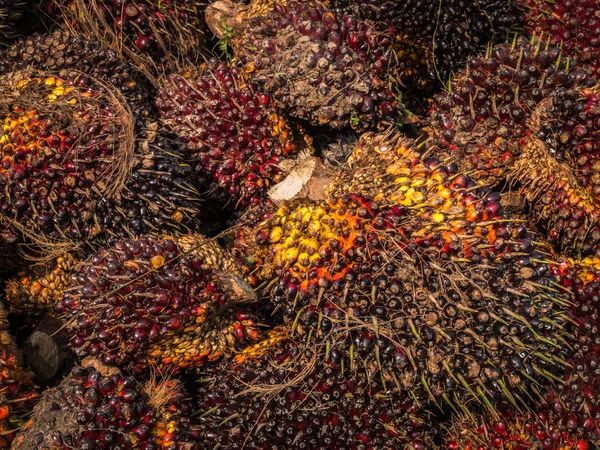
(282, 394)
(66, 53)
(173, 303)
(563, 417)
(489, 107)
(100, 409)
(79, 164)
(572, 25)
(522, 113)
(433, 38)
(17, 390)
(563, 209)
(415, 271)
(328, 69)
(160, 31)
(39, 287)
(231, 133)
(520, 431)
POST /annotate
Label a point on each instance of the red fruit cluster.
(430, 281)
(160, 29)
(343, 80)
(493, 105)
(233, 136)
(522, 113)
(281, 394)
(156, 302)
(77, 164)
(91, 410)
(573, 25)
(46, 172)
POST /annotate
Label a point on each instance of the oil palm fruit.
(433, 38)
(563, 209)
(318, 66)
(564, 417)
(232, 135)
(523, 114)
(174, 303)
(511, 430)
(39, 287)
(161, 31)
(17, 390)
(572, 25)
(79, 164)
(492, 105)
(102, 409)
(418, 274)
(68, 54)
(281, 394)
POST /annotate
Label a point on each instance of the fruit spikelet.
(562, 208)
(92, 409)
(233, 136)
(429, 281)
(281, 394)
(173, 303)
(40, 287)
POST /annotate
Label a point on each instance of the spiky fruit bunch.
(69, 54)
(163, 31)
(93, 409)
(516, 91)
(17, 391)
(521, 113)
(280, 394)
(425, 278)
(78, 164)
(169, 302)
(330, 70)
(502, 96)
(39, 287)
(233, 135)
(564, 417)
(564, 210)
(572, 25)
(539, 430)
(435, 38)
